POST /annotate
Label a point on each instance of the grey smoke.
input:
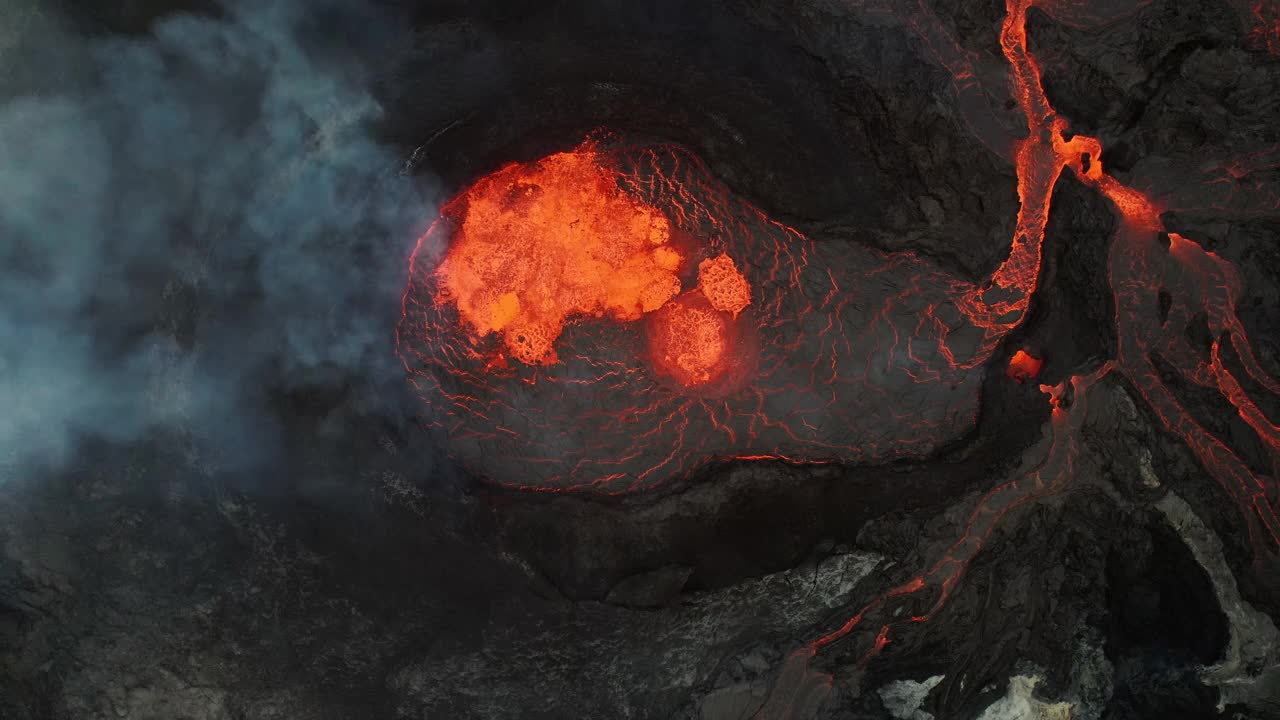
(189, 221)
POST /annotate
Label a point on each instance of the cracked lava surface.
(609, 318)
(835, 352)
(1162, 284)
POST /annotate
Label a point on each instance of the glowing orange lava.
(1023, 366)
(778, 348)
(689, 339)
(1200, 284)
(722, 284)
(538, 244)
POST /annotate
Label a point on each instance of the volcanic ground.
(649, 359)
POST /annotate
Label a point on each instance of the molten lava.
(542, 243)
(1199, 283)
(722, 284)
(1023, 366)
(690, 339)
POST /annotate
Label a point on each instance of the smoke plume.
(192, 220)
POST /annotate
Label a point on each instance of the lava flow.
(1163, 284)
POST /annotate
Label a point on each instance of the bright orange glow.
(1023, 366)
(538, 244)
(689, 339)
(722, 284)
(831, 340)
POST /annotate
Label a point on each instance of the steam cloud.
(191, 220)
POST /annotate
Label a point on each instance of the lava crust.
(782, 347)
